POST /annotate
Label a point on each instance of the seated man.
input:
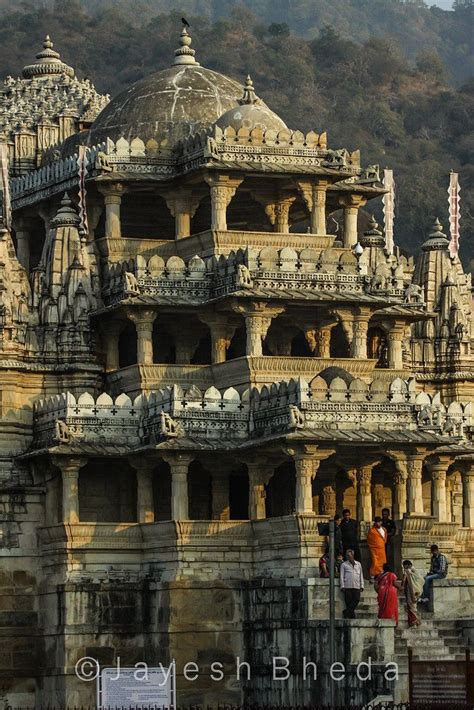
(438, 570)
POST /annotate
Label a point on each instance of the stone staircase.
(435, 639)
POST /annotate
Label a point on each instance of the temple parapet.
(212, 414)
(307, 154)
(336, 404)
(332, 270)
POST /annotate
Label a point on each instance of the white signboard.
(135, 688)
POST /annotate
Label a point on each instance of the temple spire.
(184, 55)
(48, 62)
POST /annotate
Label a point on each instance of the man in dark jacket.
(350, 533)
(391, 529)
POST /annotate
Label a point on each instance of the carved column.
(220, 495)
(307, 460)
(360, 326)
(314, 195)
(22, 232)
(329, 500)
(70, 467)
(179, 465)
(395, 351)
(258, 317)
(222, 332)
(112, 199)
(112, 335)
(415, 491)
(468, 496)
(351, 204)
(182, 204)
(364, 492)
(222, 191)
(400, 498)
(282, 212)
(438, 467)
(144, 324)
(145, 504)
(323, 342)
(258, 478)
(306, 468)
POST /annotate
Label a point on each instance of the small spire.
(249, 96)
(437, 240)
(48, 62)
(373, 237)
(437, 230)
(66, 216)
(184, 55)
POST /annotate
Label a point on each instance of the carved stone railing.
(52, 178)
(214, 415)
(329, 270)
(63, 419)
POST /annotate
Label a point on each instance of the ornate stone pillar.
(112, 199)
(143, 320)
(182, 204)
(145, 504)
(351, 204)
(360, 326)
(400, 498)
(222, 191)
(258, 478)
(307, 460)
(282, 212)
(329, 500)
(22, 232)
(306, 468)
(364, 492)
(438, 467)
(222, 332)
(468, 495)
(395, 351)
(70, 467)
(179, 465)
(314, 195)
(415, 491)
(323, 342)
(112, 334)
(258, 317)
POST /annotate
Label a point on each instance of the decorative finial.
(184, 55)
(249, 96)
(48, 62)
(66, 216)
(373, 237)
(437, 240)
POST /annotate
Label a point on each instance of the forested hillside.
(400, 106)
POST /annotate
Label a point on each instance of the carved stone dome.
(170, 104)
(251, 112)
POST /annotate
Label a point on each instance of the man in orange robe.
(377, 540)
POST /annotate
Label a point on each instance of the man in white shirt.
(352, 583)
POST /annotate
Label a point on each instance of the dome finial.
(184, 54)
(48, 62)
(249, 96)
(437, 240)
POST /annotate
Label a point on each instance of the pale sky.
(444, 4)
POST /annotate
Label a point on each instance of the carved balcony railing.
(309, 270)
(213, 415)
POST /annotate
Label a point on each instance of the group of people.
(415, 588)
(380, 538)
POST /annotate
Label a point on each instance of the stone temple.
(194, 372)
